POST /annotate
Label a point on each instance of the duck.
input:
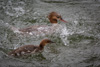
(29, 49)
(42, 29)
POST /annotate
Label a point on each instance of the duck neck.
(41, 46)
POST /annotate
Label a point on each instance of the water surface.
(77, 46)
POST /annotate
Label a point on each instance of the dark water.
(82, 36)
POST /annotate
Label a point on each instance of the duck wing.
(23, 50)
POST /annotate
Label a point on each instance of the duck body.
(42, 29)
(29, 49)
(25, 50)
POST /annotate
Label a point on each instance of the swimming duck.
(42, 29)
(29, 49)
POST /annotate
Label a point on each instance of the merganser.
(29, 49)
(42, 29)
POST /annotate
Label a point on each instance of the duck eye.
(58, 17)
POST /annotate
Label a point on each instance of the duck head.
(45, 42)
(53, 17)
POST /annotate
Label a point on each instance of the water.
(77, 45)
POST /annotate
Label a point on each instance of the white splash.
(63, 31)
(64, 35)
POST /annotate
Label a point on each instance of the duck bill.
(63, 20)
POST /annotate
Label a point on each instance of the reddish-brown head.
(44, 42)
(53, 17)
